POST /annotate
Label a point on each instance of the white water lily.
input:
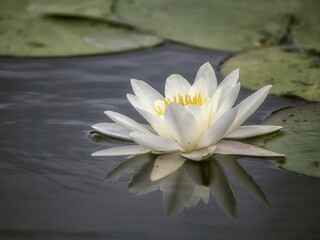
(194, 121)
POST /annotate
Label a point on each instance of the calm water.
(51, 188)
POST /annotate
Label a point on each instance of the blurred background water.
(51, 188)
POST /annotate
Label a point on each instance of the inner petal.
(183, 100)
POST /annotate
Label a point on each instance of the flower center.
(180, 99)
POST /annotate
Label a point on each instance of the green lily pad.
(24, 33)
(299, 139)
(289, 73)
(93, 9)
(226, 25)
(306, 29)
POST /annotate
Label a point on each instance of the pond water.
(51, 188)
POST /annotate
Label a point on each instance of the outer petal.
(252, 131)
(155, 121)
(145, 91)
(182, 125)
(165, 165)
(207, 74)
(155, 143)
(218, 129)
(112, 130)
(215, 99)
(228, 101)
(249, 106)
(229, 82)
(175, 85)
(200, 154)
(123, 150)
(126, 122)
(238, 148)
(202, 116)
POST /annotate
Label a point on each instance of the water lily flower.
(188, 122)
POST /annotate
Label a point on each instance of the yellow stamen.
(182, 100)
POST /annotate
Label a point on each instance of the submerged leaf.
(289, 73)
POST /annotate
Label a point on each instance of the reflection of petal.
(199, 192)
(243, 177)
(165, 165)
(112, 130)
(252, 131)
(124, 150)
(202, 173)
(226, 147)
(177, 190)
(129, 167)
(141, 183)
(222, 191)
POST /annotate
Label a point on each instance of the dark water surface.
(51, 188)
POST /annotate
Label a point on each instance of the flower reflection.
(189, 184)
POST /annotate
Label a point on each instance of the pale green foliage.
(289, 73)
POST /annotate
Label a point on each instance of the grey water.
(51, 188)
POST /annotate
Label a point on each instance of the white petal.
(230, 81)
(199, 87)
(215, 99)
(202, 116)
(137, 102)
(200, 154)
(225, 147)
(182, 125)
(154, 142)
(165, 165)
(112, 130)
(207, 74)
(155, 121)
(252, 131)
(123, 150)
(126, 122)
(175, 85)
(218, 129)
(248, 106)
(227, 102)
(145, 91)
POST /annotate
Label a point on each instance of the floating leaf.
(25, 33)
(306, 27)
(93, 9)
(299, 140)
(227, 25)
(290, 73)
